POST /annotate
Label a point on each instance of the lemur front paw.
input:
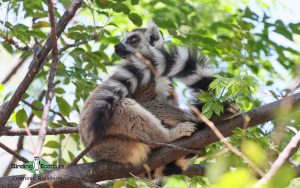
(186, 128)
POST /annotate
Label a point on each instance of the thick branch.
(36, 63)
(103, 170)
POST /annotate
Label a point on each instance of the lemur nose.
(120, 50)
(119, 47)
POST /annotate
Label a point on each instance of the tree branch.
(76, 44)
(50, 89)
(51, 110)
(36, 63)
(14, 159)
(292, 146)
(104, 170)
(50, 92)
(18, 156)
(22, 60)
(212, 126)
(50, 131)
(15, 44)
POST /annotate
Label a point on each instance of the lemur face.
(140, 40)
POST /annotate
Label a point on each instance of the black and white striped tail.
(123, 83)
(185, 64)
(188, 66)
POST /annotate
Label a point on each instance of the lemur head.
(141, 40)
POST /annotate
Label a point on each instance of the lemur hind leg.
(120, 150)
(132, 120)
(129, 123)
(167, 113)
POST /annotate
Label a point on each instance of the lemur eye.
(132, 40)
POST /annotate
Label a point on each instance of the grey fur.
(109, 113)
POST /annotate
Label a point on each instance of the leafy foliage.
(237, 40)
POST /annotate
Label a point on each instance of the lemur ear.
(153, 33)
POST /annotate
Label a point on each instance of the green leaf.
(205, 97)
(59, 90)
(136, 19)
(255, 153)
(21, 118)
(120, 7)
(217, 107)
(134, 2)
(207, 110)
(63, 106)
(41, 24)
(71, 155)
(295, 27)
(249, 14)
(282, 29)
(8, 47)
(52, 144)
(38, 33)
(38, 105)
(119, 184)
(54, 154)
(214, 84)
(1, 87)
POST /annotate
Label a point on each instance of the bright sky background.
(290, 13)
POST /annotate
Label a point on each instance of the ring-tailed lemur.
(109, 112)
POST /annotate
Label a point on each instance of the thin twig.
(15, 69)
(85, 151)
(18, 156)
(21, 138)
(76, 44)
(212, 126)
(35, 132)
(278, 133)
(51, 110)
(14, 159)
(50, 89)
(288, 151)
(15, 44)
(145, 181)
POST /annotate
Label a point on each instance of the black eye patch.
(133, 39)
(153, 38)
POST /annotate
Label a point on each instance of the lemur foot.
(184, 129)
(230, 111)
